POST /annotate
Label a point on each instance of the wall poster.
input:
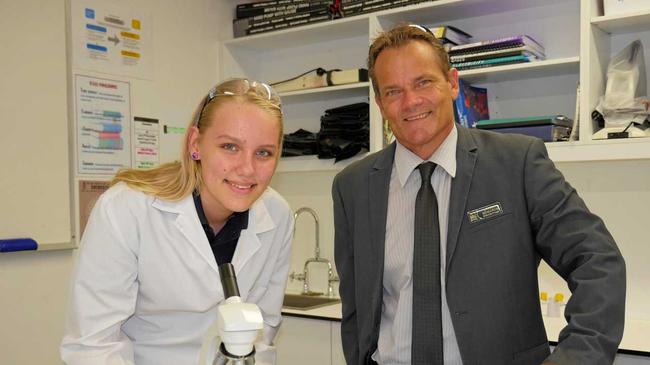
(103, 125)
(111, 38)
(146, 142)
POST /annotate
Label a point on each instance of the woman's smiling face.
(238, 151)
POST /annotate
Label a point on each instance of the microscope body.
(236, 328)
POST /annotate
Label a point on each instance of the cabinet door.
(303, 341)
(337, 348)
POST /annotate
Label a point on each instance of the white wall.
(619, 192)
(33, 116)
(34, 285)
(311, 189)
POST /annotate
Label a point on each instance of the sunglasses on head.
(242, 86)
(423, 28)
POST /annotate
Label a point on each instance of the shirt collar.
(444, 156)
(237, 221)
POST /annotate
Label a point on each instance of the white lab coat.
(146, 286)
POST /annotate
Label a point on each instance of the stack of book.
(496, 52)
(269, 15)
(450, 36)
(357, 7)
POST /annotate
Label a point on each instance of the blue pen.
(17, 244)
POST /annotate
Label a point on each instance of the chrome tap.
(305, 287)
(316, 259)
(316, 223)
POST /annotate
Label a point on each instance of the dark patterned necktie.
(426, 343)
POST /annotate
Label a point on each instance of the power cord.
(319, 71)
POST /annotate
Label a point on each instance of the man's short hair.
(400, 36)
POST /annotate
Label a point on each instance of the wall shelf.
(601, 150)
(535, 88)
(449, 10)
(313, 163)
(304, 35)
(529, 70)
(623, 23)
(342, 91)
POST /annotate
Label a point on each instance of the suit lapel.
(379, 182)
(465, 161)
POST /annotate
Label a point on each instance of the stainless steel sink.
(305, 302)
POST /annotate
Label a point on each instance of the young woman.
(146, 286)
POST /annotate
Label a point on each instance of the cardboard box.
(615, 7)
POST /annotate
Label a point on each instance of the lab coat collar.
(187, 221)
(249, 243)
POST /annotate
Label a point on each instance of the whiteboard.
(34, 155)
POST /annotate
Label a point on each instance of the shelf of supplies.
(313, 163)
(342, 91)
(623, 23)
(304, 35)
(605, 150)
(552, 67)
(600, 150)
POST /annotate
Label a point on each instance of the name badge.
(485, 212)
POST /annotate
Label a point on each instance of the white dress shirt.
(394, 345)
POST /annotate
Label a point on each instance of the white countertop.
(330, 312)
(635, 338)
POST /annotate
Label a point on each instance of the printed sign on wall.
(111, 39)
(103, 116)
(146, 142)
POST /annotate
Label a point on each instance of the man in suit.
(502, 206)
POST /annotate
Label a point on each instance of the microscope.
(237, 326)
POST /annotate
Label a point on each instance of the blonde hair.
(178, 179)
(400, 36)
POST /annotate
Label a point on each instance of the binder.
(498, 43)
(548, 133)
(497, 61)
(559, 120)
(357, 7)
(260, 24)
(524, 50)
(270, 9)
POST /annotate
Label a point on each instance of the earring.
(195, 156)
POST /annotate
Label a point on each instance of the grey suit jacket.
(492, 286)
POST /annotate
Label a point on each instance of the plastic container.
(554, 307)
(615, 7)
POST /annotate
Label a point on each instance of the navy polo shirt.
(223, 243)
